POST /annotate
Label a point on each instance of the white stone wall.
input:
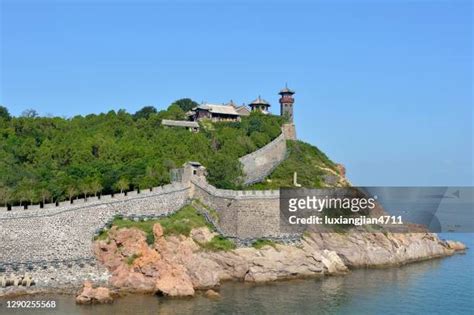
(259, 164)
(242, 214)
(66, 232)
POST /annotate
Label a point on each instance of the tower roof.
(259, 101)
(286, 90)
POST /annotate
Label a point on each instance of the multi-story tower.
(286, 103)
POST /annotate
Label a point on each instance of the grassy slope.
(309, 163)
(179, 223)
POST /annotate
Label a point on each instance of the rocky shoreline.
(180, 266)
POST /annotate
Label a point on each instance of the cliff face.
(178, 265)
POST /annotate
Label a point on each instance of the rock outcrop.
(457, 246)
(177, 265)
(359, 249)
(90, 295)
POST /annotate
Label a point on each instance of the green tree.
(174, 112)
(5, 195)
(255, 122)
(71, 191)
(21, 196)
(122, 184)
(29, 113)
(45, 195)
(145, 112)
(96, 187)
(85, 188)
(4, 113)
(30, 195)
(225, 172)
(186, 104)
(26, 191)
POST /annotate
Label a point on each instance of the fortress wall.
(259, 164)
(242, 214)
(66, 233)
(51, 208)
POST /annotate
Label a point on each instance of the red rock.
(157, 230)
(89, 295)
(175, 282)
(133, 281)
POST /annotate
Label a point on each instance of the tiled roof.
(260, 101)
(243, 110)
(219, 109)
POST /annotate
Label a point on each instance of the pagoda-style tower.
(260, 104)
(286, 103)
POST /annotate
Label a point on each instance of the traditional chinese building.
(215, 112)
(261, 105)
(234, 112)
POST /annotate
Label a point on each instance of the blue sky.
(384, 87)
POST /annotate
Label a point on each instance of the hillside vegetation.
(310, 164)
(52, 158)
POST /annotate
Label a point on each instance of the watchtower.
(286, 103)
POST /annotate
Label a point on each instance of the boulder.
(175, 282)
(202, 235)
(90, 295)
(333, 262)
(212, 294)
(204, 272)
(124, 278)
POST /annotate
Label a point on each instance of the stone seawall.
(242, 214)
(259, 164)
(65, 233)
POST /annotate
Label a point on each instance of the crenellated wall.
(259, 164)
(242, 214)
(66, 232)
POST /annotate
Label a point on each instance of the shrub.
(132, 258)
(218, 243)
(263, 242)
